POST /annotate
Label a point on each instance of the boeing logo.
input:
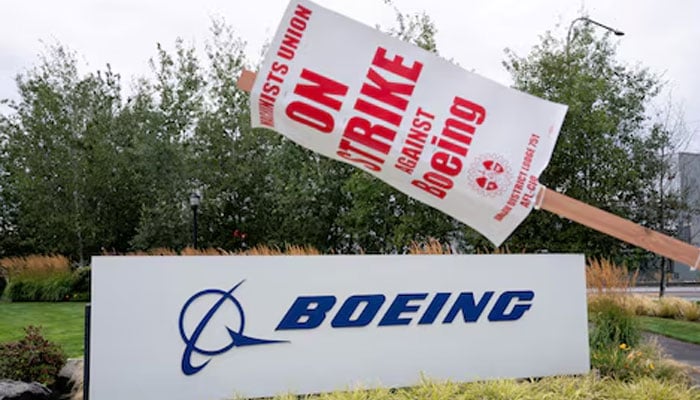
(356, 311)
(237, 337)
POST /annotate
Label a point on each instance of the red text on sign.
(525, 185)
(272, 85)
(452, 146)
(415, 141)
(295, 29)
(368, 137)
(316, 91)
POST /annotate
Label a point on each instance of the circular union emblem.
(490, 175)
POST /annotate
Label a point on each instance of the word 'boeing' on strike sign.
(309, 312)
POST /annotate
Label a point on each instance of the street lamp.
(195, 199)
(588, 21)
(568, 68)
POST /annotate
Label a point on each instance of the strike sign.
(449, 138)
(461, 143)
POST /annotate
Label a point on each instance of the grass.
(587, 387)
(681, 330)
(61, 322)
(603, 276)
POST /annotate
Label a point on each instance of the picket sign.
(454, 140)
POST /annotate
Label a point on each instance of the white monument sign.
(209, 328)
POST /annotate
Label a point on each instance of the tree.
(607, 153)
(169, 110)
(59, 167)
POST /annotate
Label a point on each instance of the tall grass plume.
(605, 276)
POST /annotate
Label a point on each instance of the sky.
(663, 36)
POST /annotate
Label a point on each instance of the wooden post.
(618, 227)
(590, 216)
(246, 80)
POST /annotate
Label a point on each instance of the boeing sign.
(257, 326)
(309, 312)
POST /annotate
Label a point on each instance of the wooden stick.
(618, 227)
(246, 80)
(590, 216)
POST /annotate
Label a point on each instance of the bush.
(677, 308)
(666, 307)
(605, 276)
(31, 359)
(48, 288)
(639, 304)
(37, 278)
(615, 336)
(626, 363)
(612, 324)
(3, 284)
(80, 285)
(34, 265)
(45, 278)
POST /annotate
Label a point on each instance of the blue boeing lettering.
(465, 304)
(309, 312)
(400, 305)
(372, 304)
(498, 311)
(434, 308)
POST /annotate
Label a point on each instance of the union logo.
(490, 175)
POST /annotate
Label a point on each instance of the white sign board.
(461, 143)
(209, 328)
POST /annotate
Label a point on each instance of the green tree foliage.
(62, 177)
(84, 170)
(607, 152)
(170, 108)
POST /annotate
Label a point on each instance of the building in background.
(689, 222)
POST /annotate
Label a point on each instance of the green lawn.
(62, 323)
(681, 330)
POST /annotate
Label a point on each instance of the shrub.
(639, 304)
(666, 307)
(37, 278)
(3, 284)
(45, 278)
(45, 288)
(626, 363)
(675, 307)
(34, 266)
(80, 284)
(31, 359)
(612, 324)
(432, 246)
(603, 276)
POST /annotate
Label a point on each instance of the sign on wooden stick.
(452, 139)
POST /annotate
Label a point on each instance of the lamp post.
(195, 199)
(588, 21)
(568, 68)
